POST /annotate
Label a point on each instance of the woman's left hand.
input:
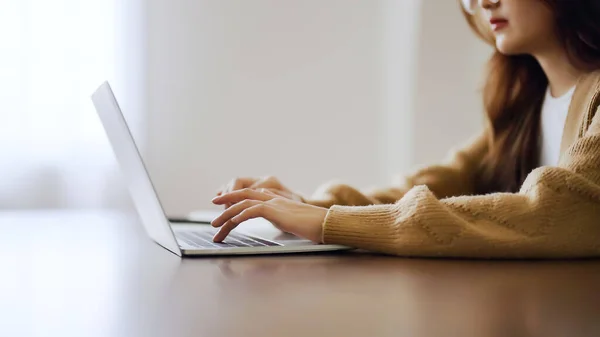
(290, 216)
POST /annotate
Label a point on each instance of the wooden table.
(96, 274)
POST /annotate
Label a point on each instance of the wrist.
(312, 229)
(320, 228)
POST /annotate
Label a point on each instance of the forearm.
(536, 223)
(555, 214)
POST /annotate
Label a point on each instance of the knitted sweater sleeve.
(454, 177)
(556, 214)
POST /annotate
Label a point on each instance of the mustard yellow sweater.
(556, 213)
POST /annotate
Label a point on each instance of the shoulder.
(591, 82)
(587, 93)
(591, 85)
(594, 100)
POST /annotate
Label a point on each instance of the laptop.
(181, 236)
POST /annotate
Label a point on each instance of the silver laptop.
(181, 237)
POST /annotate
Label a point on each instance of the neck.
(561, 73)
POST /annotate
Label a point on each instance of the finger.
(233, 211)
(266, 182)
(241, 183)
(224, 231)
(280, 193)
(230, 185)
(238, 184)
(262, 190)
(237, 196)
(256, 211)
(268, 191)
(230, 188)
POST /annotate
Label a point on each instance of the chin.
(507, 46)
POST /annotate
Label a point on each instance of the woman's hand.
(290, 216)
(267, 184)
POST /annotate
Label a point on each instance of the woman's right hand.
(266, 184)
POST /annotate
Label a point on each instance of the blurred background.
(306, 90)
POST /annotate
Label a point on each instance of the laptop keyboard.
(203, 239)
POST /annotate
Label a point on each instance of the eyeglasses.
(470, 6)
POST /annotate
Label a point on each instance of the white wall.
(448, 103)
(305, 90)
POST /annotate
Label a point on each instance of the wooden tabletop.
(96, 274)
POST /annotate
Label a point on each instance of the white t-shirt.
(554, 116)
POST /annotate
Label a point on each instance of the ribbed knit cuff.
(369, 227)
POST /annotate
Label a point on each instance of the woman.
(527, 187)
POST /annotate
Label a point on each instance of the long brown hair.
(514, 92)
